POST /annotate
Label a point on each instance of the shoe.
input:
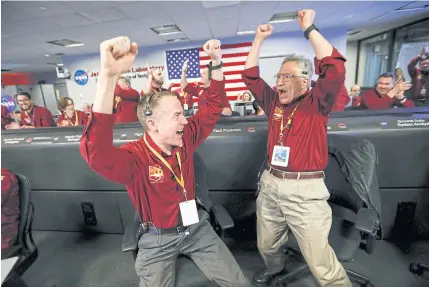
(264, 278)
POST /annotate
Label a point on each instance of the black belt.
(167, 231)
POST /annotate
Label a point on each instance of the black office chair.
(355, 221)
(24, 248)
(219, 217)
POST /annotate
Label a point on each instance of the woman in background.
(69, 116)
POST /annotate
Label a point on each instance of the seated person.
(258, 110)
(5, 117)
(420, 77)
(69, 116)
(86, 108)
(32, 116)
(247, 97)
(355, 95)
(125, 102)
(9, 209)
(386, 94)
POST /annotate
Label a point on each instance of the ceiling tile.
(72, 20)
(105, 15)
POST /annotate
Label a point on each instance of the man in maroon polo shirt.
(420, 77)
(386, 95)
(155, 80)
(293, 195)
(201, 92)
(158, 171)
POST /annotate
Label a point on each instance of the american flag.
(233, 57)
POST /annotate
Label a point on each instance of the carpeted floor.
(78, 260)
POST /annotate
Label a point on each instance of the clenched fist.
(212, 49)
(117, 55)
(306, 18)
(263, 31)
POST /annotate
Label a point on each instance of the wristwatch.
(309, 29)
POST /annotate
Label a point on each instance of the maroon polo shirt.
(307, 136)
(79, 118)
(38, 117)
(372, 100)
(9, 208)
(419, 80)
(151, 186)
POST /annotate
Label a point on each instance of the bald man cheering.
(158, 171)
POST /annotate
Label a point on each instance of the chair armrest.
(222, 217)
(129, 240)
(11, 251)
(367, 221)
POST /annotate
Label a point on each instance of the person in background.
(387, 94)
(32, 116)
(399, 75)
(155, 80)
(86, 108)
(125, 102)
(69, 116)
(355, 95)
(5, 117)
(293, 196)
(201, 92)
(247, 97)
(420, 77)
(9, 209)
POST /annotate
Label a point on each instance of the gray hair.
(304, 64)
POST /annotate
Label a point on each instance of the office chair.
(25, 248)
(418, 268)
(355, 223)
(219, 217)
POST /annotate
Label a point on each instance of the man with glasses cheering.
(158, 171)
(293, 195)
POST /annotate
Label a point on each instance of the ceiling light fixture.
(177, 40)
(245, 32)
(66, 43)
(166, 30)
(283, 17)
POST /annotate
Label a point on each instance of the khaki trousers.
(301, 207)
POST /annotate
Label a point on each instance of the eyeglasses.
(286, 77)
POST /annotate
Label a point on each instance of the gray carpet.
(78, 260)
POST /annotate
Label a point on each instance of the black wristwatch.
(211, 67)
(308, 30)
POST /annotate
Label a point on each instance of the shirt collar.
(157, 148)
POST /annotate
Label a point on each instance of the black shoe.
(264, 278)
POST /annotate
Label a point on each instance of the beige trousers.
(301, 207)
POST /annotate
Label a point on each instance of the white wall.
(352, 53)
(276, 46)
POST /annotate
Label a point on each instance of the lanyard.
(180, 180)
(70, 122)
(289, 122)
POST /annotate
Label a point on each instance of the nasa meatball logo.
(8, 102)
(81, 77)
(278, 114)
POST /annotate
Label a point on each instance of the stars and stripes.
(233, 57)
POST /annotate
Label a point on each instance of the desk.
(6, 266)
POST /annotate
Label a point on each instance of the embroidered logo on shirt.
(156, 174)
(278, 114)
(419, 76)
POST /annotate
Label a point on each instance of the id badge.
(189, 213)
(185, 107)
(280, 155)
(423, 91)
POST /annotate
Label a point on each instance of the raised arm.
(204, 121)
(183, 81)
(412, 70)
(148, 86)
(329, 63)
(263, 93)
(96, 146)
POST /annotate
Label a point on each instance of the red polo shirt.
(9, 208)
(125, 104)
(307, 136)
(151, 186)
(39, 117)
(79, 119)
(372, 100)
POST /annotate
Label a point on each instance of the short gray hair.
(304, 64)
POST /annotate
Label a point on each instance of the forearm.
(103, 102)
(218, 73)
(183, 82)
(148, 86)
(253, 56)
(321, 46)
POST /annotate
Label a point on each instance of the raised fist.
(425, 50)
(263, 31)
(185, 66)
(306, 18)
(117, 55)
(212, 49)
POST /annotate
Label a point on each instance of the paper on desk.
(6, 266)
